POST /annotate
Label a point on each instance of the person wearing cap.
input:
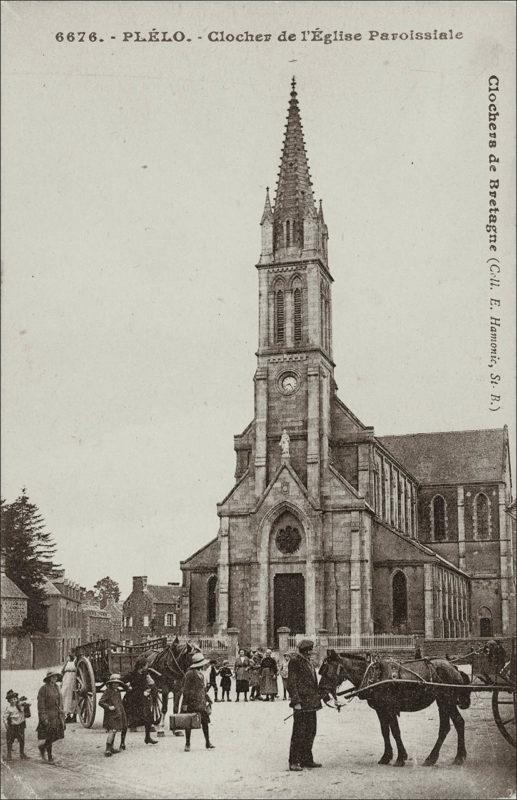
(137, 702)
(114, 713)
(242, 675)
(196, 699)
(302, 685)
(51, 718)
(14, 722)
(226, 680)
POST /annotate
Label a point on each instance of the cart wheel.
(504, 708)
(156, 706)
(86, 692)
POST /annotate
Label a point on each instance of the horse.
(390, 698)
(168, 668)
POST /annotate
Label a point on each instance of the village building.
(64, 616)
(330, 526)
(151, 611)
(16, 644)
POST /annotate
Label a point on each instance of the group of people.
(255, 673)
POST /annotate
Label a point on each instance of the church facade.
(328, 526)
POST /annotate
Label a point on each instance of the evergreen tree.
(28, 549)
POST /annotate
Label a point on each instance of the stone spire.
(294, 197)
(268, 211)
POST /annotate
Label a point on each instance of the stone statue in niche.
(284, 444)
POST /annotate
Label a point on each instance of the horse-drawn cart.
(390, 686)
(96, 661)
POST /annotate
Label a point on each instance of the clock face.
(289, 384)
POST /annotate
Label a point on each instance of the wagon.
(96, 661)
(493, 671)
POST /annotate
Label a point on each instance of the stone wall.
(16, 651)
(13, 612)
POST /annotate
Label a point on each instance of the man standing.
(302, 685)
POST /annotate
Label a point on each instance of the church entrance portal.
(289, 603)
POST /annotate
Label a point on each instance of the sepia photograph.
(258, 521)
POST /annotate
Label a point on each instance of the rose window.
(288, 540)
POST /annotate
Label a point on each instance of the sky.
(134, 178)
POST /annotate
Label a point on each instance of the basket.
(184, 722)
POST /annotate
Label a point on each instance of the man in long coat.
(302, 684)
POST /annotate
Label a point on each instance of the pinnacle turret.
(268, 211)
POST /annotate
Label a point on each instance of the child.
(226, 680)
(114, 714)
(212, 683)
(14, 721)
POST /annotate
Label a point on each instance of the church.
(329, 526)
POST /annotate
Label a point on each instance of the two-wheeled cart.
(96, 661)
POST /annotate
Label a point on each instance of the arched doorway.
(485, 622)
(289, 602)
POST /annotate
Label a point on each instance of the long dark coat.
(136, 704)
(195, 698)
(302, 684)
(51, 718)
(113, 720)
(268, 672)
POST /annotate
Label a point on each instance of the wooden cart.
(96, 661)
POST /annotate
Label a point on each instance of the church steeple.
(294, 197)
(294, 228)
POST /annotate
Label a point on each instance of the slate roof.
(450, 456)
(164, 594)
(9, 590)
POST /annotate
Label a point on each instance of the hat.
(115, 678)
(50, 673)
(10, 694)
(305, 644)
(199, 661)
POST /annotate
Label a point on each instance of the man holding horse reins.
(302, 685)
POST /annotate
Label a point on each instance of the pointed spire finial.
(268, 211)
(293, 83)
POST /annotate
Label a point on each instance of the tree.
(106, 588)
(28, 550)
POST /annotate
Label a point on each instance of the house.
(16, 643)
(151, 611)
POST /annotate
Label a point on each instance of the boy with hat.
(14, 721)
(196, 699)
(114, 713)
(302, 685)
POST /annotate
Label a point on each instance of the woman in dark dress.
(51, 718)
(242, 676)
(137, 702)
(268, 673)
(196, 699)
(226, 680)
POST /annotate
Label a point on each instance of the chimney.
(139, 583)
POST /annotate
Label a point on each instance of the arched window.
(485, 621)
(400, 501)
(481, 517)
(297, 316)
(399, 597)
(439, 519)
(211, 599)
(279, 317)
(287, 234)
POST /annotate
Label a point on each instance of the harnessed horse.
(414, 692)
(169, 667)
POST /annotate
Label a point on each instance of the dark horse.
(168, 671)
(389, 699)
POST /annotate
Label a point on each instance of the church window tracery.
(211, 599)
(438, 510)
(399, 598)
(481, 516)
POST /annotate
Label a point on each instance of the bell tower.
(294, 357)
